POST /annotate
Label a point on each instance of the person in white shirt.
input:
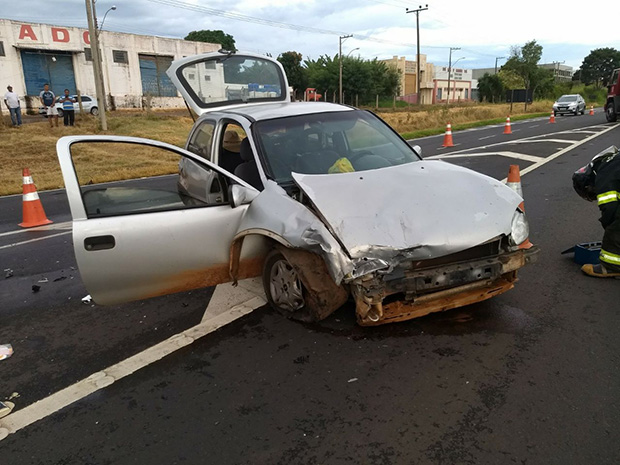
(11, 100)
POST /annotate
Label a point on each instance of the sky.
(483, 29)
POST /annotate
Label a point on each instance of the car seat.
(248, 170)
(229, 155)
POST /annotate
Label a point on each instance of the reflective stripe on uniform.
(607, 197)
(610, 257)
(31, 196)
(27, 180)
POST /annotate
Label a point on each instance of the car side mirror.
(417, 149)
(240, 195)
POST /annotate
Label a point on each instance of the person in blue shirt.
(48, 98)
(68, 110)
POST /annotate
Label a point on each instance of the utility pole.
(450, 71)
(497, 58)
(340, 40)
(417, 27)
(97, 62)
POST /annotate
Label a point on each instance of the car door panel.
(135, 256)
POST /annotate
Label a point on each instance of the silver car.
(326, 202)
(573, 103)
(89, 105)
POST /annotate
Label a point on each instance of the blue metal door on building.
(53, 68)
(155, 81)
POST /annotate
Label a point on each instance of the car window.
(127, 178)
(567, 98)
(201, 140)
(614, 78)
(329, 143)
(229, 146)
(85, 99)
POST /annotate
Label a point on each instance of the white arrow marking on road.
(518, 156)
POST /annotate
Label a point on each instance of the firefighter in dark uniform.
(600, 180)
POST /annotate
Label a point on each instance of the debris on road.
(8, 273)
(60, 279)
(15, 395)
(6, 350)
(6, 408)
(352, 380)
(88, 299)
(36, 288)
(43, 280)
(302, 359)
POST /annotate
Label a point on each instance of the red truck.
(612, 107)
(312, 95)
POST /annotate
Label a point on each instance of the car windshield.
(567, 98)
(329, 143)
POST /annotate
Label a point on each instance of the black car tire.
(94, 111)
(60, 112)
(610, 112)
(282, 284)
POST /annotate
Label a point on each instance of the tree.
(296, 74)
(362, 78)
(491, 88)
(598, 66)
(523, 62)
(213, 37)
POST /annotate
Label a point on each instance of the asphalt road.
(528, 377)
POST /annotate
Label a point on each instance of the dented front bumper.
(404, 293)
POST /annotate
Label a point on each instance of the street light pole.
(97, 63)
(497, 58)
(340, 40)
(417, 27)
(450, 71)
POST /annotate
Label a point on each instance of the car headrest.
(246, 150)
(231, 141)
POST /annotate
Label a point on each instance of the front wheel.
(610, 112)
(283, 288)
(60, 112)
(94, 111)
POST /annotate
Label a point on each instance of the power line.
(278, 24)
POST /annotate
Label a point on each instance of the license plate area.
(459, 274)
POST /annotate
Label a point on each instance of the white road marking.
(486, 137)
(562, 152)
(535, 126)
(518, 156)
(15, 244)
(559, 141)
(226, 296)
(65, 397)
(49, 227)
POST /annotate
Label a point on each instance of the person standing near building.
(68, 110)
(11, 100)
(47, 98)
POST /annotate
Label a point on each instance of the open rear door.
(215, 80)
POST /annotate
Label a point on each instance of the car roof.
(258, 112)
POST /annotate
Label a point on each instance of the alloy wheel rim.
(285, 286)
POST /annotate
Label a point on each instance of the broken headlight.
(520, 230)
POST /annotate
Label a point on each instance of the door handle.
(99, 243)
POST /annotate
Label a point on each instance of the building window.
(207, 78)
(210, 64)
(88, 54)
(2, 49)
(120, 56)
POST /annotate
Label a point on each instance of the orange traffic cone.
(514, 182)
(507, 129)
(33, 212)
(552, 119)
(447, 138)
(591, 110)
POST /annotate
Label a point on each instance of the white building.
(460, 82)
(134, 66)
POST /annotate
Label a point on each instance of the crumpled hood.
(421, 210)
